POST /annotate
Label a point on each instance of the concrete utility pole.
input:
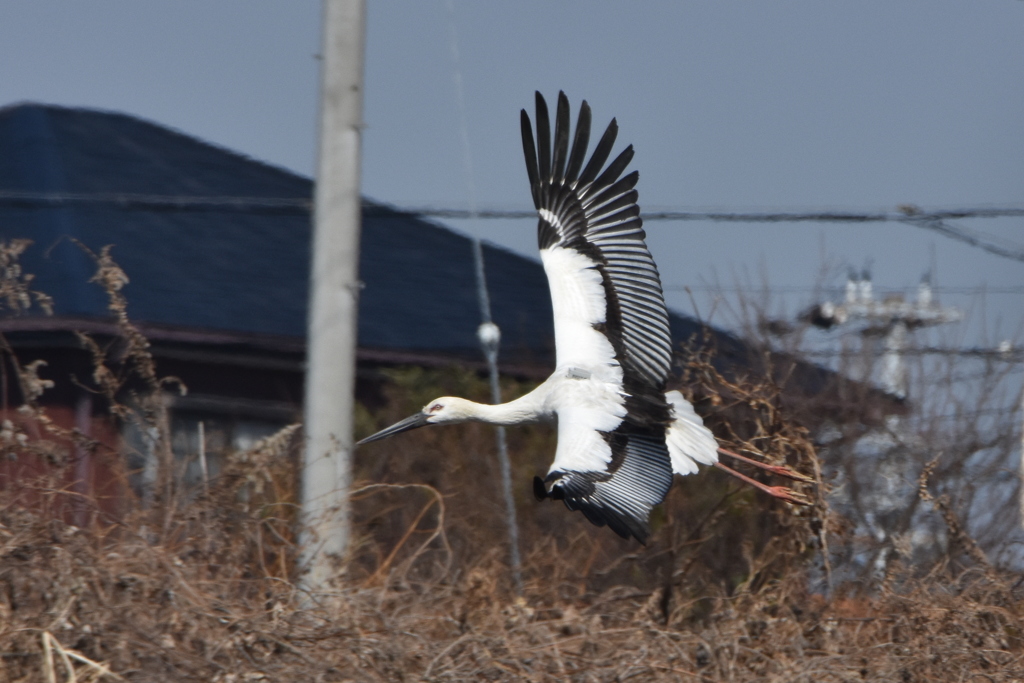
(334, 296)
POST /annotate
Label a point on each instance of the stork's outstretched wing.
(589, 221)
(611, 327)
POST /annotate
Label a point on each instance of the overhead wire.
(936, 221)
(973, 238)
(750, 216)
(800, 289)
(128, 200)
(251, 203)
(1011, 355)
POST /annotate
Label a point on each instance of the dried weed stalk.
(15, 285)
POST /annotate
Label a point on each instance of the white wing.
(580, 311)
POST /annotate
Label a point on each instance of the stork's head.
(444, 410)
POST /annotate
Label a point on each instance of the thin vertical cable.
(488, 333)
(460, 100)
(490, 338)
(1020, 465)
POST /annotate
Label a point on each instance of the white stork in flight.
(621, 436)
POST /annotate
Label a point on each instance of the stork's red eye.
(434, 408)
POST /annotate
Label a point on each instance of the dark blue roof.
(199, 259)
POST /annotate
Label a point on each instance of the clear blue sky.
(730, 105)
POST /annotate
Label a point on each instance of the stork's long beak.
(411, 422)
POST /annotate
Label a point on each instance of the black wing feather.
(601, 152)
(579, 144)
(530, 152)
(561, 136)
(543, 139)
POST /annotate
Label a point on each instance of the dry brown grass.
(202, 585)
(205, 607)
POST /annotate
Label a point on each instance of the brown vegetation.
(199, 583)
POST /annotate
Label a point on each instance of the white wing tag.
(577, 373)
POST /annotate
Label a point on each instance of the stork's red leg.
(780, 470)
(780, 492)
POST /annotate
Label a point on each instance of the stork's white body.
(584, 406)
(620, 435)
(586, 390)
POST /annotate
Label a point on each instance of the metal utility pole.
(489, 336)
(334, 294)
(893, 317)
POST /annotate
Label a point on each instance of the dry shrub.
(203, 609)
(201, 585)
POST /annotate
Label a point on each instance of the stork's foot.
(780, 492)
(787, 494)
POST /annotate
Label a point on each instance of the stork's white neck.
(528, 408)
